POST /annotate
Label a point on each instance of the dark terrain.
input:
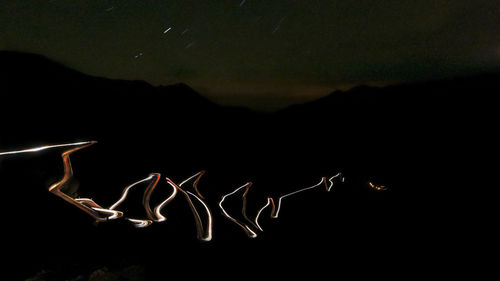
(425, 141)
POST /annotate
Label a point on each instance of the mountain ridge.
(38, 67)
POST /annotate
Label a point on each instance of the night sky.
(259, 53)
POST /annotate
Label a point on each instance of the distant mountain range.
(44, 101)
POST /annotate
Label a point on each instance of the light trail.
(68, 173)
(154, 179)
(157, 210)
(126, 190)
(377, 187)
(269, 202)
(45, 147)
(85, 204)
(277, 210)
(244, 206)
(140, 223)
(338, 175)
(207, 236)
(113, 214)
(147, 197)
(203, 233)
(245, 227)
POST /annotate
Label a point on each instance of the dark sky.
(259, 53)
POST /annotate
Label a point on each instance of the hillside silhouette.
(422, 140)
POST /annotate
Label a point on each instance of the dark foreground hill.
(424, 141)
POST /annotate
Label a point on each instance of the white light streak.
(158, 208)
(167, 30)
(269, 200)
(45, 147)
(247, 230)
(203, 233)
(126, 190)
(208, 236)
(68, 173)
(276, 213)
(113, 214)
(147, 196)
(140, 223)
(328, 188)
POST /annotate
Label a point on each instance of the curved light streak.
(147, 197)
(140, 223)
(245, 227)
(126, 190)
(154, 178)
(157, 210)
(269, 202)
(203, 234)
(85, 204)
(207, 236)
(377, 187)
(275, 214)
(100, 214)
(329, 187)
(244, 206)
(113, 214)
(68, 173)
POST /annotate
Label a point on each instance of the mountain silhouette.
(421, 139)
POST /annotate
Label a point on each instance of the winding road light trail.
(140, 223)
(154, 179)
(269, 202)
(203, 233)
(244, 206)
(245, 227)
(377, 187)
(157, 210)
(147, 197)
(126, 190)
(277, 210)
(338, 175)
(85, 204)
(94, 206)
(113, 214)
(208, 234)
(68, 173)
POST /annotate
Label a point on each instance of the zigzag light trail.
(154, 215)
(269, 202)
(276, 213)
(245, 227)
(154, 178)
(203, 233)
